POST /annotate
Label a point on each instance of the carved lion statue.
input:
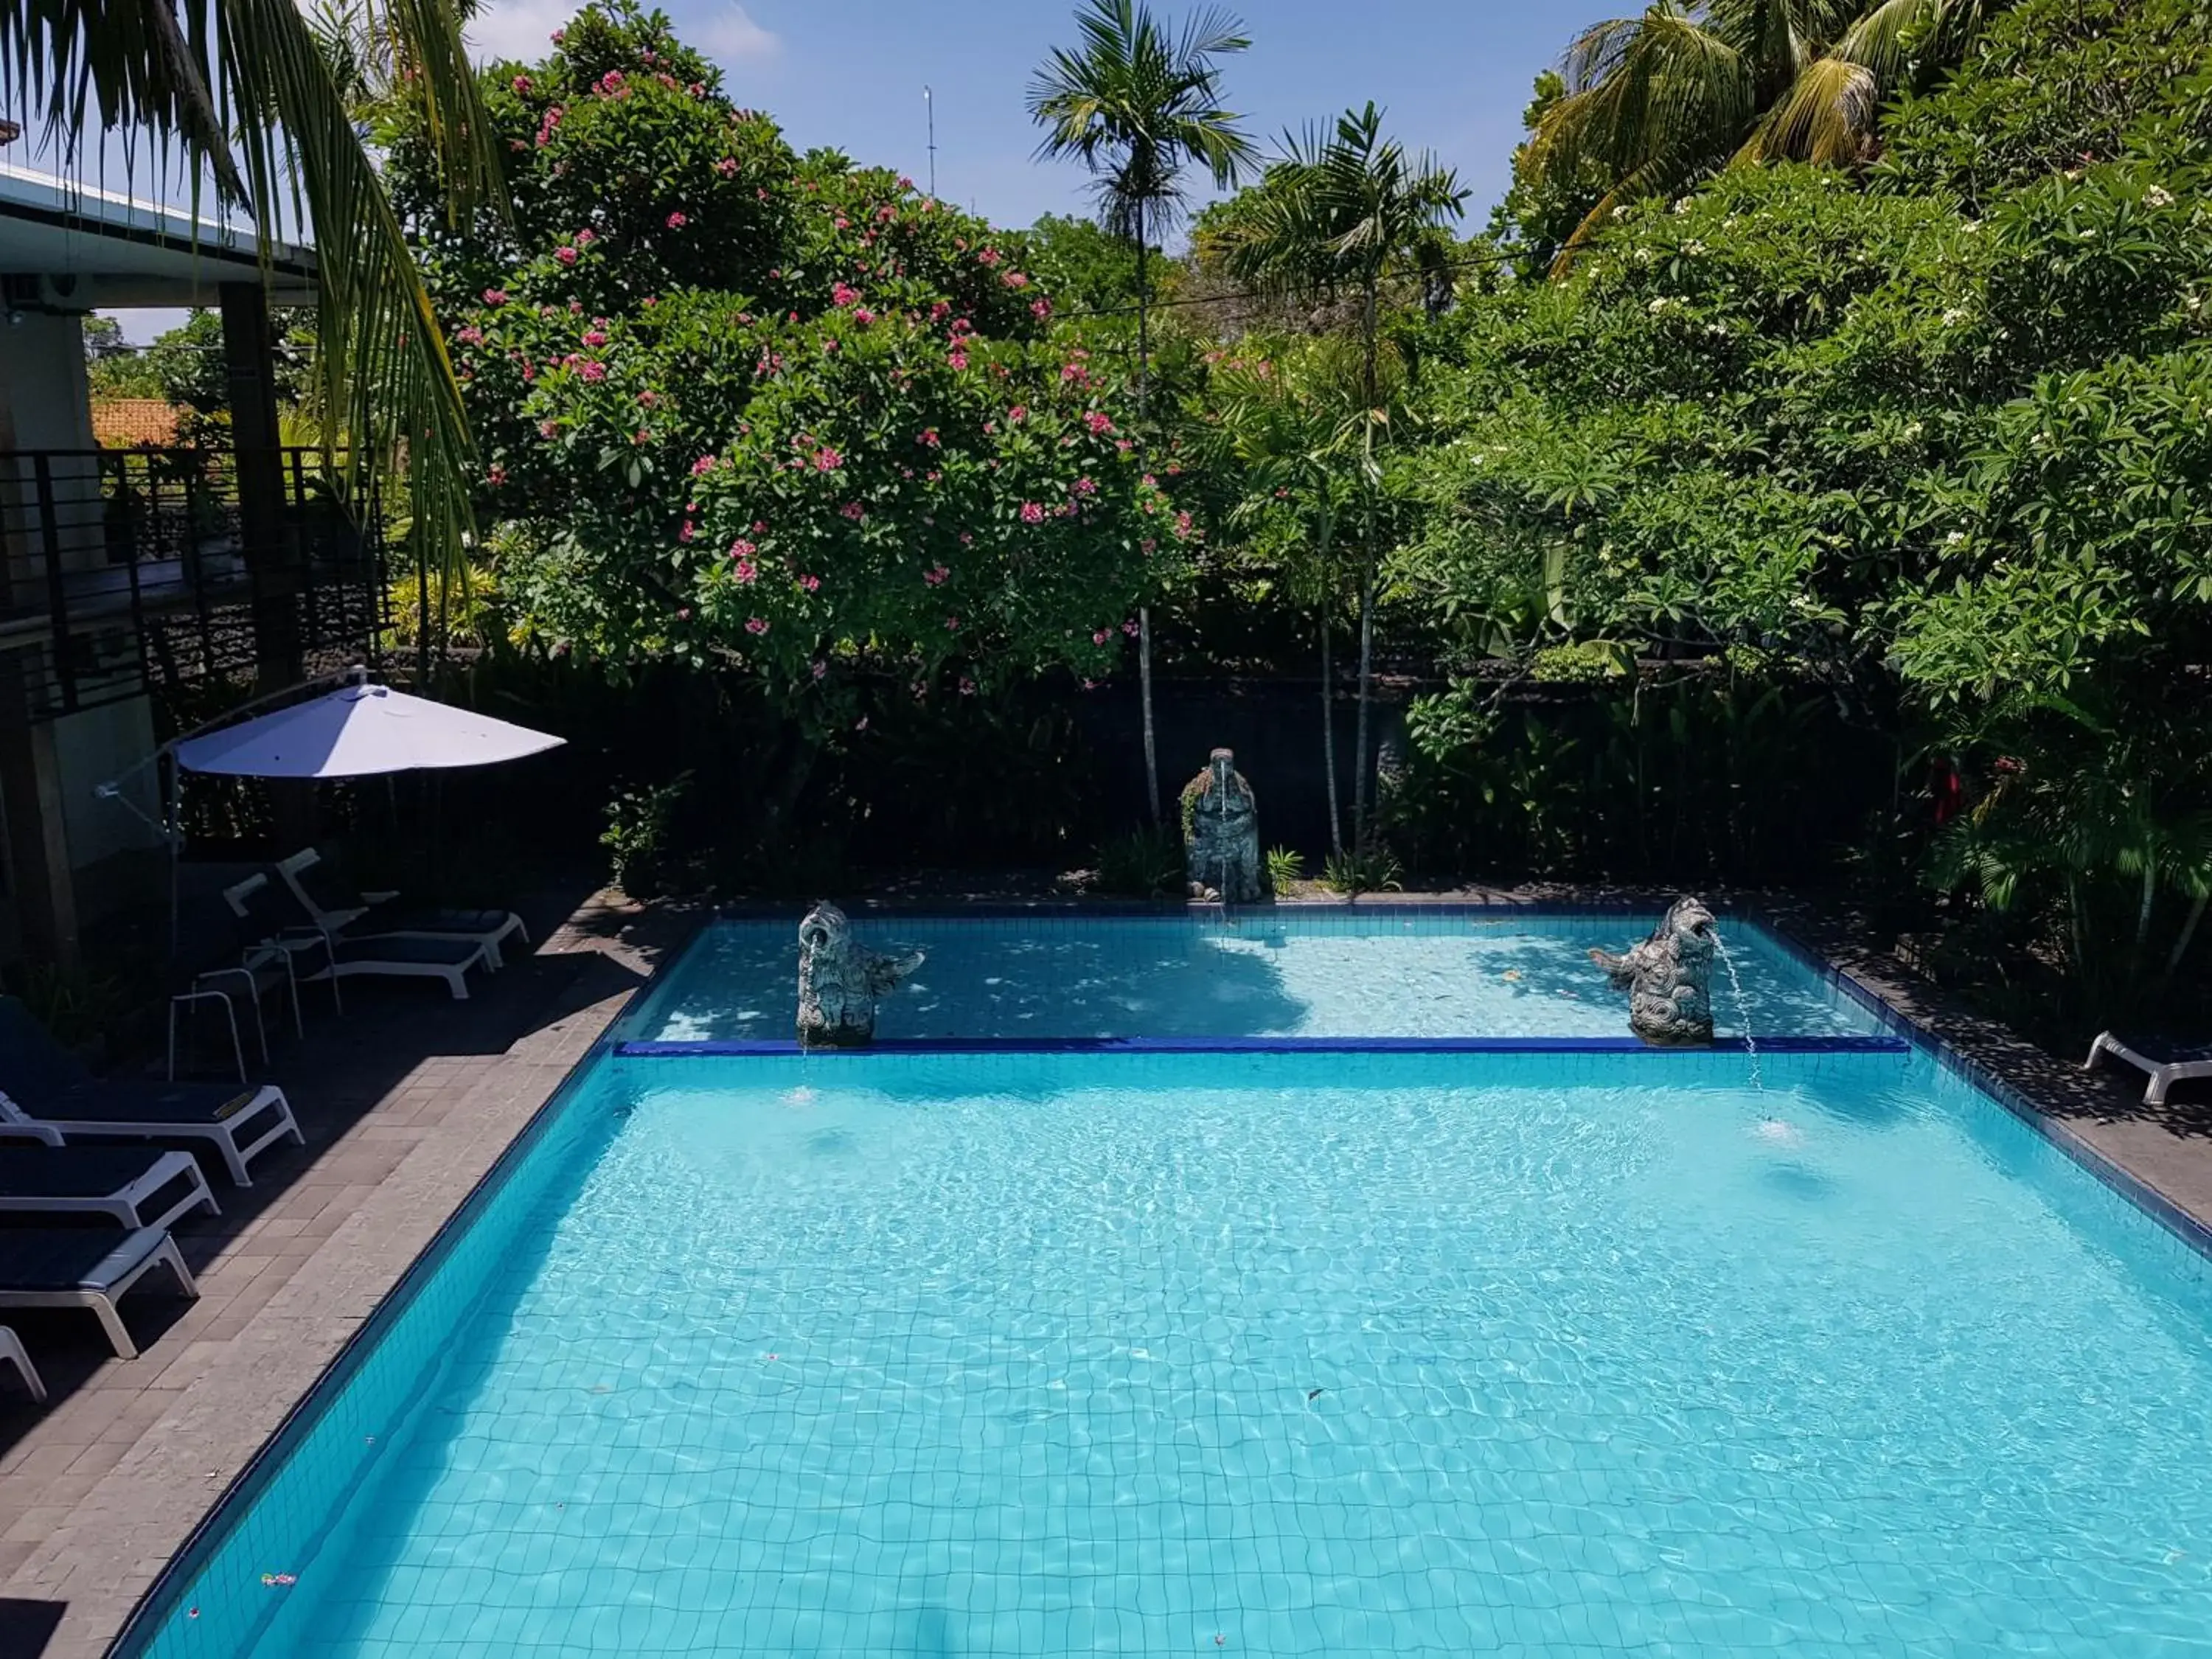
(840, 979)
(1668, 978)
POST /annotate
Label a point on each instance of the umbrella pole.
(173, 819)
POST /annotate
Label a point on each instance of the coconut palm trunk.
(1136, 105)
(1328, 734)
(1145, 611)
(1359, 778)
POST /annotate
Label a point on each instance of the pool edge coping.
(211, 1529)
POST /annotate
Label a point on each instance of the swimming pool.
(1295, 1354)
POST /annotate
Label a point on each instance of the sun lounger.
(2169, 1063)
(11, 1350)
(406, 956)
(86, 1267)
(46, 1093)
(139, 1186)
(338, 910)
(342, 955)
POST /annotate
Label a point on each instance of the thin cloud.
(524, 29)
(517, 28)
(730, 36)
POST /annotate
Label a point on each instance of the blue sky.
(1453, 75)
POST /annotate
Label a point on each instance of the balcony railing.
(125, 569)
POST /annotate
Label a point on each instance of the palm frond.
(1662, 96)
(1136, 106)
(241, 90)
(1879, 40)
(1827, 116)
(81, 68)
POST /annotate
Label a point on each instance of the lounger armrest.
(385, 897)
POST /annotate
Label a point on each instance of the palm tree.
(1656, 102)
(1342, 211)
(1290, 414)
(239, 93)
(1138, 105)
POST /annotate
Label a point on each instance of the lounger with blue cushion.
(280, 917)
(86, 1267)
(47, 1092)
(341, 912)
(2168, 1061)
(138, 1186)
(11, 1351)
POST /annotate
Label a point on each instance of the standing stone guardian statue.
(1221, 834)
(1668, 978)
(839, 981)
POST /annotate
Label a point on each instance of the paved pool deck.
(408, 1101)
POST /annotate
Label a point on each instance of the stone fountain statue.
(839, 981)
(1668, 978)
(1221, 834)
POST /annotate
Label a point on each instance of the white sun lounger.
(86, 1267)
(2167, 1062)
(348, 915)
(138, 1186)
(446, 956)
(11, 1350)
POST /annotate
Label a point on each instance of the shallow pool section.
(1296, 1354)
(1374, 971)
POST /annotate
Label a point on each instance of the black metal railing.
(121, 570)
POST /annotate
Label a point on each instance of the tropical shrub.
(774, 413)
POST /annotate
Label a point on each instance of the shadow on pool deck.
(405, 1069)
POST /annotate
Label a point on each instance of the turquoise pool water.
(1312, 1354)
(1297, 972)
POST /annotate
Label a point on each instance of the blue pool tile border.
(659, 1049)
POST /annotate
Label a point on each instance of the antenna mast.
(929, 105)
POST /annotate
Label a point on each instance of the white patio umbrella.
(359, 730)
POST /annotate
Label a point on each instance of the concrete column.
(38, 844)
(248, 349)
(272, 556)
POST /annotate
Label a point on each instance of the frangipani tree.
(742, 408)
